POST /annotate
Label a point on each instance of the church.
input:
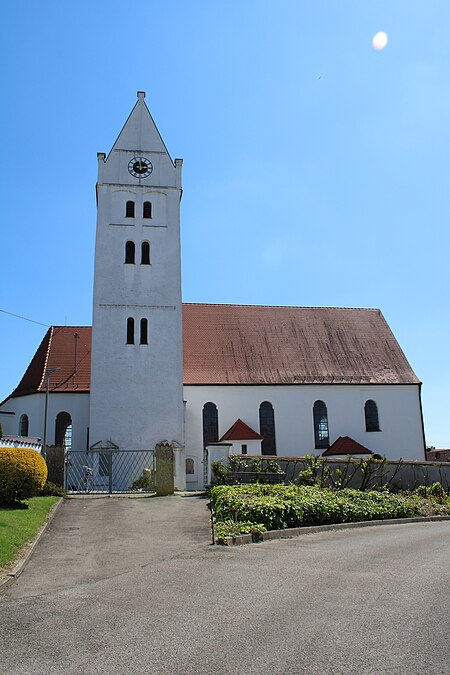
(284, 381)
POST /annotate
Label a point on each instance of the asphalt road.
(133, 586)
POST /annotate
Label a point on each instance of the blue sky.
(316, 169)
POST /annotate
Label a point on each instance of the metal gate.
(110, 471)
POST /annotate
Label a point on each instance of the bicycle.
(87, 482)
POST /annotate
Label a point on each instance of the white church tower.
(136, 373)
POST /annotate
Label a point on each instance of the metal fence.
(398, 474)
(110, 471)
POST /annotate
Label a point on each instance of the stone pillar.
(164, 466)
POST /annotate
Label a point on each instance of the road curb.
(291, 532)
(19, 567)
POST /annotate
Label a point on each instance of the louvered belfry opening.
(147, 210)
(130, 331)
(145, 253)
(144, 332)
(130, 252)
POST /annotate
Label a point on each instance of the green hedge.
(280, 506)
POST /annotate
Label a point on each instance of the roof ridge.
(61, 327)
(229, 304)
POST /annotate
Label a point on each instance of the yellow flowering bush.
(23, 473)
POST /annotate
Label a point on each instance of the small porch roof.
(241, 432)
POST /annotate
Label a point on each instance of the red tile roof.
(249, 344)
(240, 432)
(242, 344)
(344, 445)
(60, 349)
(439, 455)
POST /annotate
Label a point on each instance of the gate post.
(164, 464)
(110, 476)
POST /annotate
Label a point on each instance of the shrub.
(222, 474)
(144, 482)
(52, 490)
(23, 473)
(229, 528)
(434, 491)
(281, 506)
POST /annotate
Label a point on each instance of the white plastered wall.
(77, 405)
(398, 409)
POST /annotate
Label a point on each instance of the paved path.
(133, 586)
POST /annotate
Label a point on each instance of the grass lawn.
(20, 526)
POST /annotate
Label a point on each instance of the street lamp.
(48, 372)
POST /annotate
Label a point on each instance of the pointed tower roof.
(140, 133)
(240, 432)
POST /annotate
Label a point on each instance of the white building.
(299, 377)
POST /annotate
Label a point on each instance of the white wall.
(253, 447)
(398, 409)
(77, 405)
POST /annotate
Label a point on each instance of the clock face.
(140, 167)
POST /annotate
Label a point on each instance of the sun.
(379, 41)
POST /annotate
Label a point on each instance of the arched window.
(130, 331)
(147, 210)
(371, 416)
(23, 425)
(129, 210)
(267, 428)
(210, 424)
(144, 332)
(63, 430)
(321, 434)
(190, 467)
(145, 253)
(129, 252)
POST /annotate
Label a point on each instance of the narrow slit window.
(130, 253)
(129, 210)
(147, 210)
(144, 332)
(145, 253)
(130, 331)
